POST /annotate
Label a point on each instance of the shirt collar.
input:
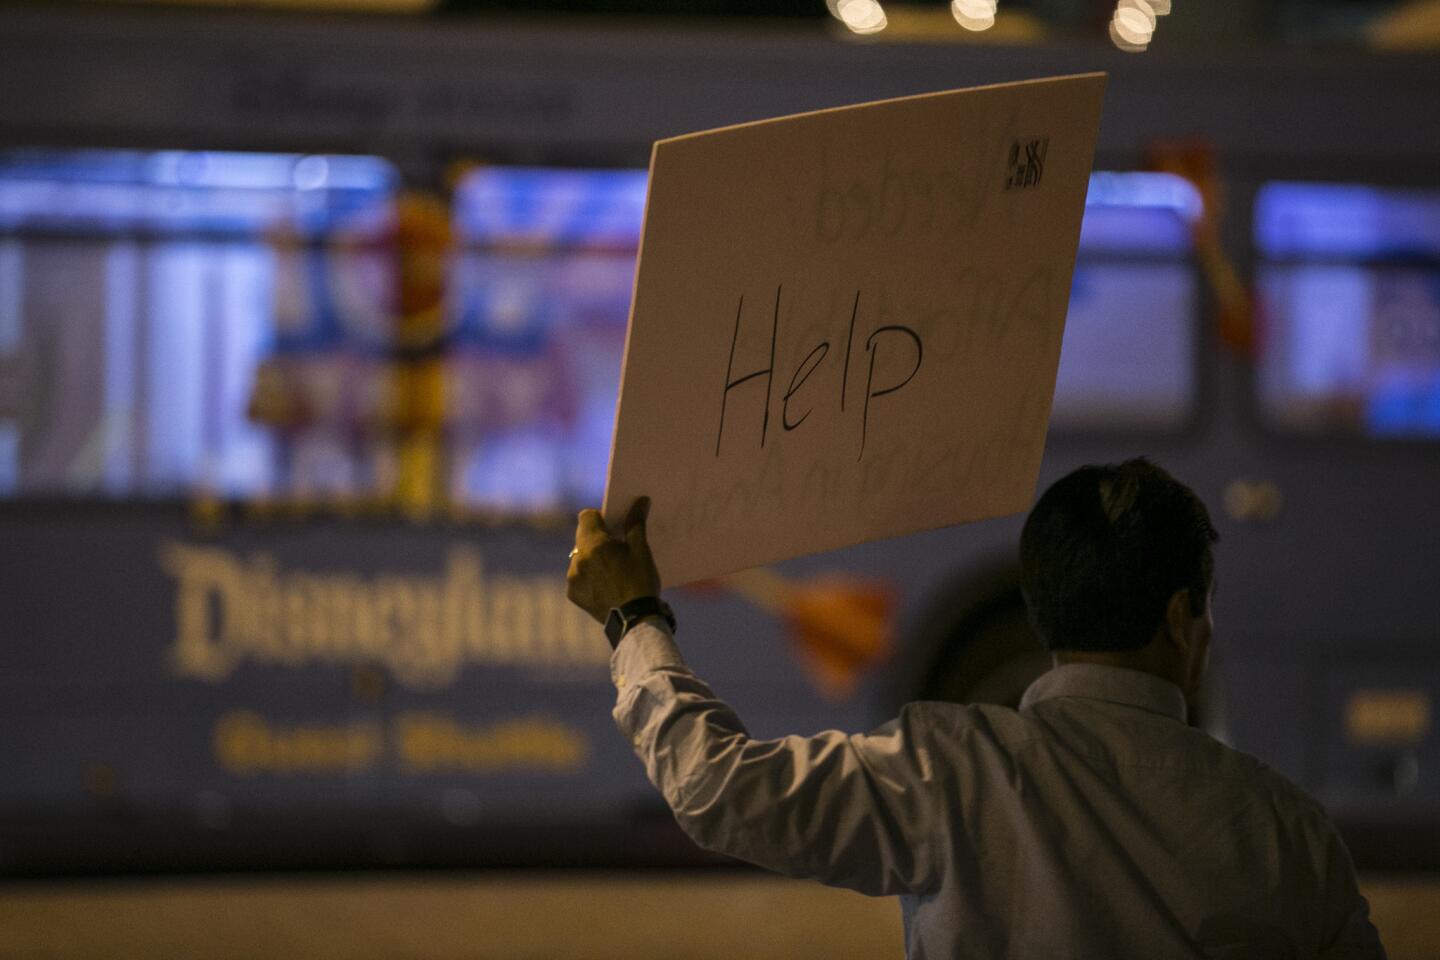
(1093, 681)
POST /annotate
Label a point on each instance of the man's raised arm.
(859, 811)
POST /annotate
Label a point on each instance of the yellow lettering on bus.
(231, 610)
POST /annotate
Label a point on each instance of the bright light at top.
(1133, 25)
(1122, 43)
(1134, 22)
(861, 16)
(1137, 10)
(974, 14)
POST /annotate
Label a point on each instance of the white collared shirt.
(1092, 822)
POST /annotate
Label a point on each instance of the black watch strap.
(625, 616)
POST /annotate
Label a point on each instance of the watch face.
(614, 626)
(623, 617)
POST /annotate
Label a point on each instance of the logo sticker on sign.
(1027, 162)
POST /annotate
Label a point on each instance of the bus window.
(140, 293)
(1128, 359)
(542, 294)
(11, 282)
(1349, 285)
(221, 322)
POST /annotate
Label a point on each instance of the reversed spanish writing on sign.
(846, 324)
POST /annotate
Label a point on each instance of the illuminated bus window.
(9, 458)
(541, 297)
(142, 293)
(11, 287)
(1128, 358)
(1349, 289)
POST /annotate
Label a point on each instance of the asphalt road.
(515, 916)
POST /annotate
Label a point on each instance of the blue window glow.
(1351, 305)
(140, 294)
(1352, 221)
(1145, 214)
(186, 287)
(1128, 359)
(556, 208)
(189, 192)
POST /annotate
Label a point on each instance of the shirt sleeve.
(1351, 934)
(855, 811)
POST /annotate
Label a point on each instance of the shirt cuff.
(647, 646)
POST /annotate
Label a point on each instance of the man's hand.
(608, 571)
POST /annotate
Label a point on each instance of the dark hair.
(1105, 548)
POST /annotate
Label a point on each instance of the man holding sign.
(1092, 822)
(846, 325)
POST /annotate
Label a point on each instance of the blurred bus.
(289, 457)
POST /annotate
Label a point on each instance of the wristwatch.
(625, 616)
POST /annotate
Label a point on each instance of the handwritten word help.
(796, 405)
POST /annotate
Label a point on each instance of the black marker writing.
(870, 392)
(802, 373)
(768, 373)
(849, 342)
(812, 362)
